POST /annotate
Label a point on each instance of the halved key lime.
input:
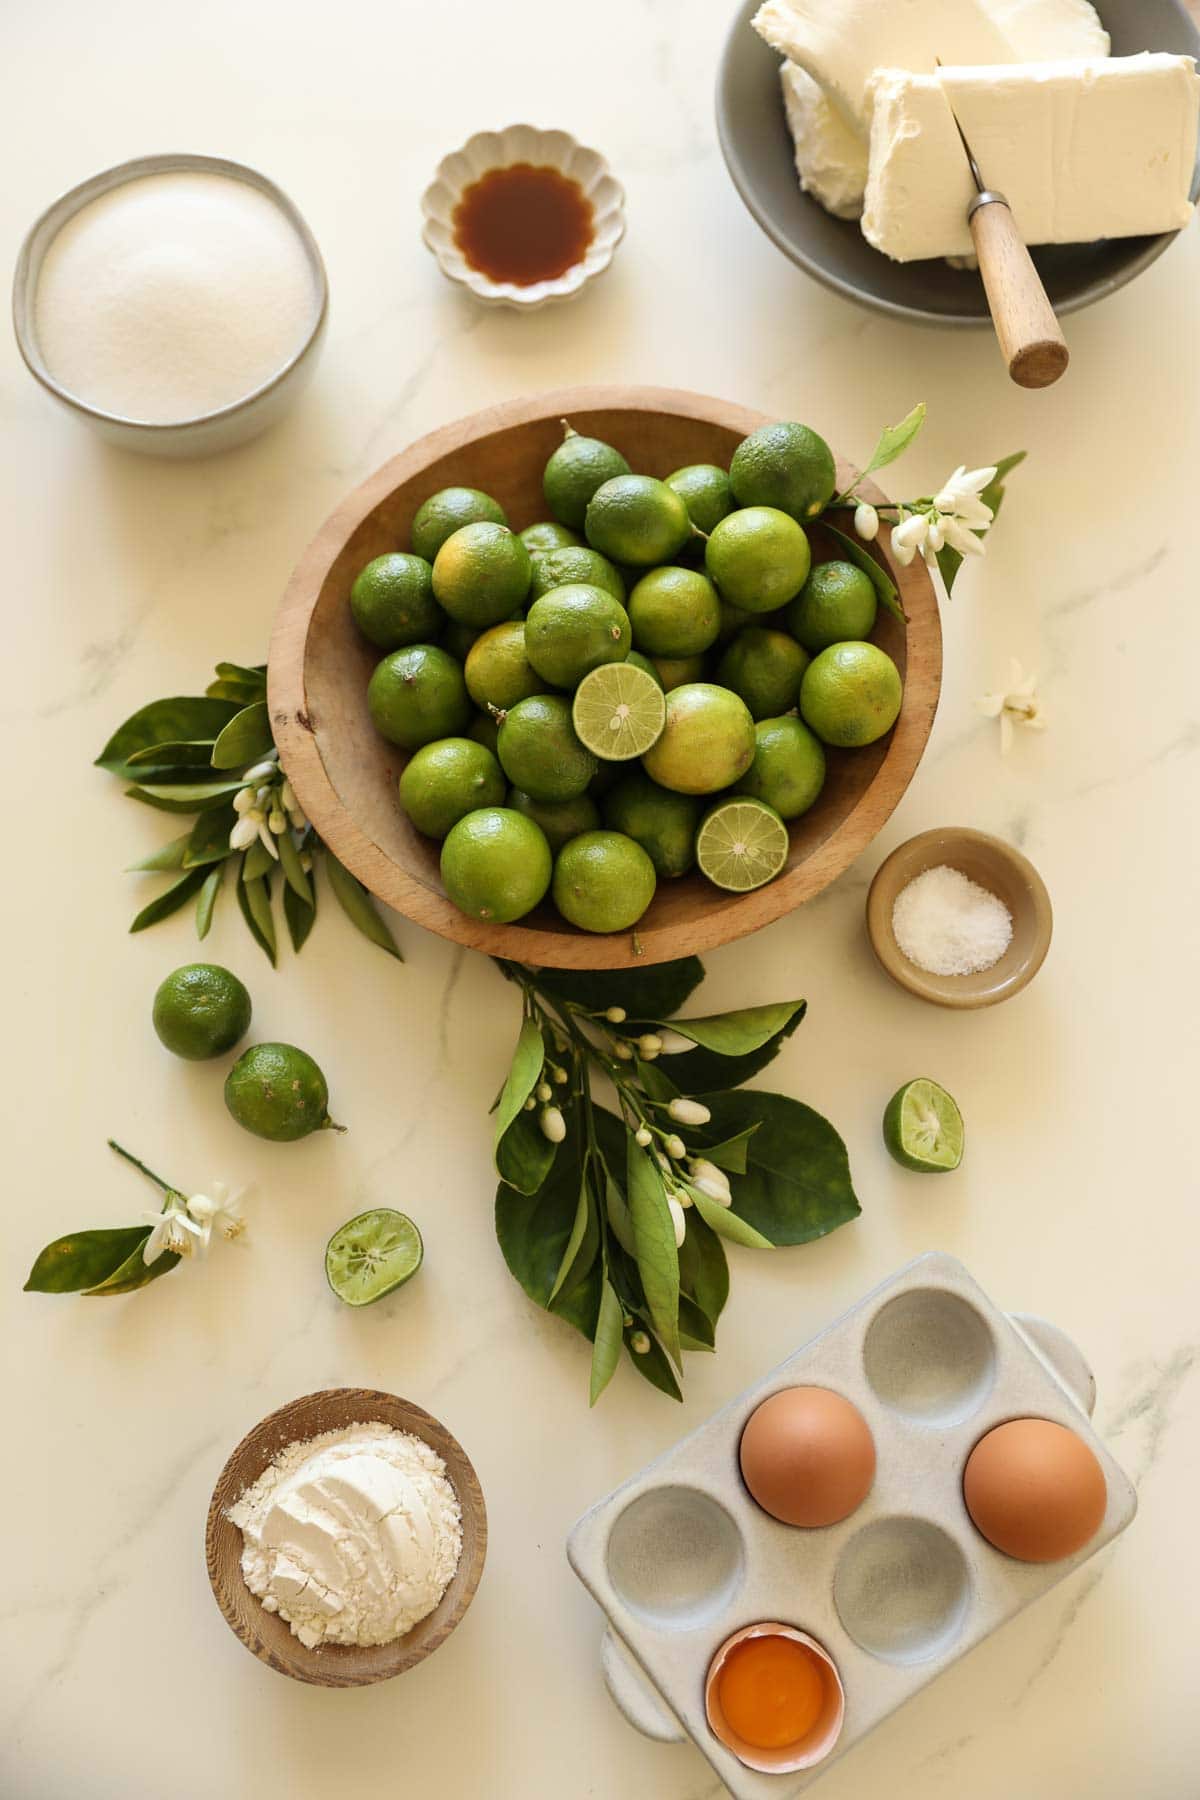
(619, 711)
(923, 1128)
(741, 844)
(370, 1255)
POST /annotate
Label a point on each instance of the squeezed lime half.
(371, 1255)
(923, 1128)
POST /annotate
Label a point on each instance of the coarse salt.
(173, 296)
(949, 925)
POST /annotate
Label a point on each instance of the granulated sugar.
(172, 296)
(949, 925)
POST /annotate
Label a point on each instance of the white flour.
(353, 1536)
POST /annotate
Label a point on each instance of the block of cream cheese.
(841, 43)
(831, 158)
(1082, 150)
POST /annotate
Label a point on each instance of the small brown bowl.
(996, 866)
(266, 1634)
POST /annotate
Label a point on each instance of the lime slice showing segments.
(619, 711)
(372, 1254)
(923, 1128)
(741, 844)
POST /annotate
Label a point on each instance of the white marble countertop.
(126, 579)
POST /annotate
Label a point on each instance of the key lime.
(637, 520)
(603, 881)
(372, 1255)
(278, 1092)
(785, 465)
(788, 770)
(836, 603)
(484, 729)
(733, 620)
(446, 512)
(445, 780)
(707, 741)
(705, 491)
(539, 751)
(851, 694)
(573, 630)
(560, 820)
(481, 574)
(418, 694)
(676, 671)
(741, 844)
(758, 557)
(547, 534)
(764, 668)
(393, 604)
(577, 468)
(572, 564)
(618, 712)
(496, 865)
(201, 1010)
(664, 824)
(635, 660)
(674, 612)
(923, 1128)
(457, 639)
(498, 671)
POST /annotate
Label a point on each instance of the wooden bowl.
(996, 866)
(270, 1638)
(345, 775)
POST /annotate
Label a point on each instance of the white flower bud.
(639, 1343)
(560, 1075)
(530, 1104)
(866, 521)
(623, 1051)
(675, 1146)
(662, 1162)
(689, 1112)
(702, 1170)
(678, 1221)
(244, 833)
(266, 840)
(277, 823)
(544, 1092)
(649, 1044)
(287, 794)
(262, 769)
(626, 1320)
(615, 1015)
(673, 1043)
(643, 1137)
(711, 1191)
(553, 1125)
(265, 794)
(684, 1198)
(243, 800)
(306, 861)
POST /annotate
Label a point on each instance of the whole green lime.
(560, 820)
(418, 694)
(705, 491)
(448, 511)
(393, 604)
(674, 612)
(457, 639)
(603, 881)
(733, 620)
(785, 465)
(676, 671)
(836, 604)
(707, 742)
(644, 664)
(485, 730)
(496, 865)
(481, 574)
(851, 694)
(201, 1010)
(278, 1092)
(637, 520)
(758, 557)
(572, 630)
(764, 668)
(539, 751)
(577, 468)
(444, 781)
(497, 669)
(788, 770)
(547, 534)
(664, 824)
(574, 563)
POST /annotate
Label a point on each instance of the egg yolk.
(771, 1691)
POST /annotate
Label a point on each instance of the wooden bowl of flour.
(266, 1634)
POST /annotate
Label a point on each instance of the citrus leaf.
(208, 841)
(886, 591)
(654, 1244)
(254, 899)
(896, 438)
(83, 1258)
(300, 915)
(253, 681)
(738, 1033)
(177, 895)
(167, 856)
(293, 868)
(696, 1330)
(606, 1349)
(246, 739)
(133, 1273)
(525, 1155)
(701, 1070)
(732, 1154)
(652, 1365)
(257, 861)
(582, 1246)
(358, 906)
(728, 1224)
(523, 1076)
(703, 1268)
(532, 1231)
(195, 755)
(184, 797)
(206, 899)
(797, 1183)
(653, 993)
(185, 718)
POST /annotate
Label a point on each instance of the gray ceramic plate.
(758, 152)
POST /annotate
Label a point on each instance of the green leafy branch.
(618, 1220)
(213, 756)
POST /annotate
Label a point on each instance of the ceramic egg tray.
(681, 1556)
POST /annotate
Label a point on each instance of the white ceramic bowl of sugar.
(175, 303)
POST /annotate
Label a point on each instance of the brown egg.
(1035, 1490)
(808, 1456)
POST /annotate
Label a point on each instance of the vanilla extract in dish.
(524, 224)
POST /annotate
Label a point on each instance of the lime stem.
(328, 1124)
(149, 1173)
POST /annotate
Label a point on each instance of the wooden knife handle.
(1031, 339)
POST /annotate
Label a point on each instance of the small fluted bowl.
(489, 150)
